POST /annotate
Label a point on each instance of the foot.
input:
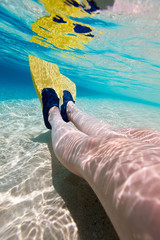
(66, 98)
(49, 100)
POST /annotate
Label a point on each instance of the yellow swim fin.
(46, 75)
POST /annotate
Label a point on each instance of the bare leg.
(96, 127)
(86, 123)
(69, 144)
(144, 135)
(123, 173)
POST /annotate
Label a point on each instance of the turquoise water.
(121, 62)
(117, 79)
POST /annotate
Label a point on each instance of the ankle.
(69, 108)
(67, 103)
(51, 112)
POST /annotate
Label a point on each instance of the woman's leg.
(144, 135)
(69, 144)
(123, 173)
(86, 123)
(96, 127)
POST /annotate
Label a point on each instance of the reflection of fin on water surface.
(58, 30)
(47, 75)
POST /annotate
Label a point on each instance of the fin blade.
(46, 75)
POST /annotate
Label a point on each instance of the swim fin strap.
(47, 75)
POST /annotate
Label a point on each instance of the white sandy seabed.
(39, 198)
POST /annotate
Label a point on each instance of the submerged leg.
(96, 127)
(123, 173)
(86, 123)
(69, 144)
(144, 135)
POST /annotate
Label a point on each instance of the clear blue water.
(122, 62)
(117, 78)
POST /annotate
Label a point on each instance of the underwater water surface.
(113, 58)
